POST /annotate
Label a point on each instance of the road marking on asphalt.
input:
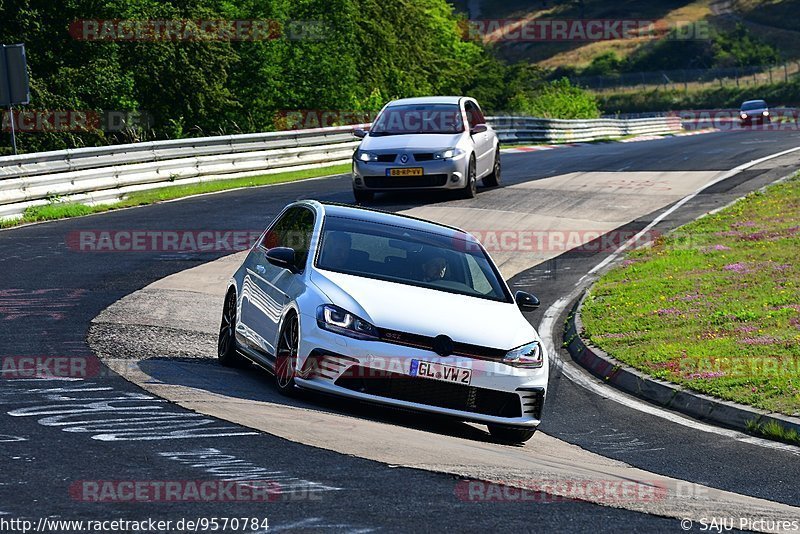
(228, 467)
(113, 416)
(581, 378)
(319, 523)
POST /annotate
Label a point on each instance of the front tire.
(493, 179)
(286, 356)
(471, 187)
(226, 342)
(511, 434)
(362, 196)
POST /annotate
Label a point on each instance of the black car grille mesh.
(388, 182)
(532, 401)
(431, 392)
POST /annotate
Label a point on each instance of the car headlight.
(366, 156)
(449, 153)
(338, 320)
(743, 115)
(530, 356)
(766, 113)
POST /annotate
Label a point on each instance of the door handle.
(260, 269)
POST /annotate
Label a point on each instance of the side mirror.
(283, 257)
(361, 134)
(525, 301)
(478, 128)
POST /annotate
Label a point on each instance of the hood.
(429, 142)
(429, 312)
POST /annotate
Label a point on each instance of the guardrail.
(105, 174)
(530, 129)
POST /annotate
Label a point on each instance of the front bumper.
(438, 174)
(379, 372)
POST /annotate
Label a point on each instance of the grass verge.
(714, 306)
(61, 210)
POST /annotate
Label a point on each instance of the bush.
(557, 99)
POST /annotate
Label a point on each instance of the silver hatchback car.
(426, 143)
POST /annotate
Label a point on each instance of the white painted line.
(579, 377)
(681, 202)
(316, 523)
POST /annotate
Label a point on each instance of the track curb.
(665, 394)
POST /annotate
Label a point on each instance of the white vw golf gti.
(387, 309)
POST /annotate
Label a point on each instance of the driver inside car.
(434, 268)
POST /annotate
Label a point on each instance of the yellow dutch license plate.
(411, 171)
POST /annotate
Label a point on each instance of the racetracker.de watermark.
(492, 240)
(548, 30)
(578, 240)
(196, 30)
(734, 119)
(562, 490)
(162, 240)
(693, 367)
(49, 367)
(86, 121)
(306, 119)
(147, 491)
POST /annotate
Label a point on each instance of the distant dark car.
(754, 112)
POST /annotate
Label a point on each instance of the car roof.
(427, 100)
(332, 209)
(753, 102)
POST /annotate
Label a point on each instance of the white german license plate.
(439, 371)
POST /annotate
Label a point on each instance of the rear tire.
(511, 434)
(226, 343)
(471, 187)
(362, 196)
(493, 179)
(286, 356)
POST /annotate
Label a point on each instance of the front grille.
(431, 392)
(387, 158)
(532, 401)
(388, 182)
(426, 343)
(423, 156)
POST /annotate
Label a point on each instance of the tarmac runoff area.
(163, 338)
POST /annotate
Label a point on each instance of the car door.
(484, 142)
(267, 288)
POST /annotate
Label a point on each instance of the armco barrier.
(105, 174)
(531, 129)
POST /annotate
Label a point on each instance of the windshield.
(756, 104)
(406, 256)
(418, 119)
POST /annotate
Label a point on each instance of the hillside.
(771, 21)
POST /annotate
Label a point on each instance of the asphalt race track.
(57, 434)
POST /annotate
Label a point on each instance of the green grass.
(774, 430)
(61, 210)
(715, 306)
